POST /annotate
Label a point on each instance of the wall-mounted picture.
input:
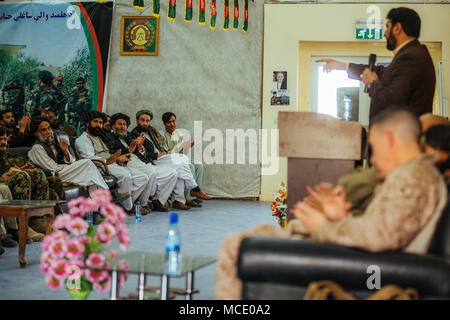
(139, 35)
(280, 94)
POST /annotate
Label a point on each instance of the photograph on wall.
(279, 93)
(139, 35)
(54, 58)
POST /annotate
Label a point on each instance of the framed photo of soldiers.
(139, 35)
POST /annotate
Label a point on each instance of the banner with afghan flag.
(245, 27)
(213, 15)
(226, 15)
(69, 39)
(201, 12)
(188, 15)
(235, 14)
(172, 10)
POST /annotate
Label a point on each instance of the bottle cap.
(347, 96)
(173, 218)
(138, 203)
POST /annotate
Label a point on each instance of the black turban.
(118, 116)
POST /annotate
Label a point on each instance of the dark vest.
(59, 158)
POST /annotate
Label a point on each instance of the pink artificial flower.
(77, 207)
(124, 238)
(45, 266)
(113, 254)
(123, 266)
(53, 282)
(110, 212)
(46, 242)
(58, 249)
(58, 235)
(62, 221)
(95, 260)
(78, 226)
(96, 275)
(74, 271)
(84, 240)
(101, 196)
(75, 249)
(105, 232)
(59, 268)
(123, 277)
(103, 286)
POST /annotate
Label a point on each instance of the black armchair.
(282, 269)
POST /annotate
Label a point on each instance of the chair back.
(440, 242)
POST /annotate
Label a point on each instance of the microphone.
(372, 59)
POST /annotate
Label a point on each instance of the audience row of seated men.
(405, 201)
(139, 160)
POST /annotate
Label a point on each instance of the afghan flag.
(138, 4)
(226, 15)
(201, 11)
(188, 15)
(212, 21)
(245, 27)
(172, 10)
(235, 14)
(156, 8)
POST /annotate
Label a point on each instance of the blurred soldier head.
(54, 121)
(7, 119)
(30, 85)
(80, 83)
(58, 82)
(45, 78)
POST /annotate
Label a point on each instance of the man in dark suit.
(410, 78)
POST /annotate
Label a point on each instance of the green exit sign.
(369, 29)
(369, 33)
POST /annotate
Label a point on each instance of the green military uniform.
(27, 100)
(5, 94)
(63, 97)
(16, 97)
(44, 97)
(80, 101)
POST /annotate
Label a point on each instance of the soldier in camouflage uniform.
(80, 102)
(27, 182)
(5, 93)
(63, 98)
(16, 98)
(28, 93)
(45, 96)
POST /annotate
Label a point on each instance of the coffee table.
(146, 263)
(24, 209)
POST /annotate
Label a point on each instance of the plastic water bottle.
(90, 218)
(138, 212)
(173, 246)
(347, 111)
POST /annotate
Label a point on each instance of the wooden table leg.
(49, 229)
(23, 228)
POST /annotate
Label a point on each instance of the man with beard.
(107, 124)
(165, 177)
(91, 146)
(52, 155)
(409, 79)
(17, 137)
(156, 154)
(56, 126)
(26, 183)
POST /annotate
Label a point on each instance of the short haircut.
(118, 116)
(36, 121)
(2, 132)
(438, 137)
(3, 112)
(167, 115)
(80, 79)
(400, 120)
(408, 18)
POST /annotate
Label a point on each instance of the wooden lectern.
(319, 148)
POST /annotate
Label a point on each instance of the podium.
(319, 148)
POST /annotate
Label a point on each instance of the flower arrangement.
(76, 254)
(279, 205)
